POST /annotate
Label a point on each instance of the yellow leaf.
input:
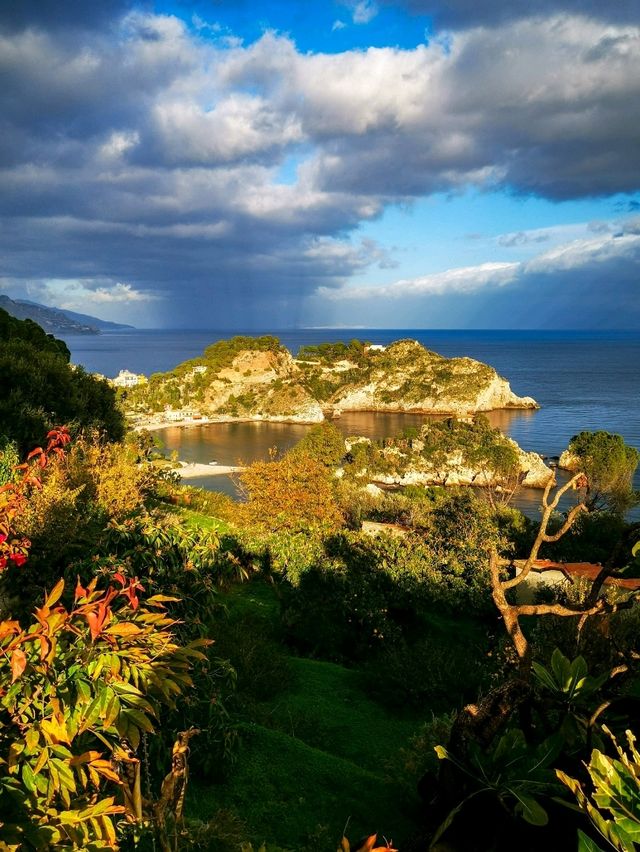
(56, 593)
(44, 754)
(55, 730)
(18, 664)
(125, 628)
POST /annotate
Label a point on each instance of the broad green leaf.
(530, 809)
(28, 778)
(586, 844)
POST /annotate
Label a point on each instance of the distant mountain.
(56, 320)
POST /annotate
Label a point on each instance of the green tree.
(324, 443)
(40, 390)
(609, 465)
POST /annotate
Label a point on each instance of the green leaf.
(561, 669)
(530, 809)
(543, 675)
(28, 778)
(586, 844)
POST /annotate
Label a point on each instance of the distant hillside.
(55, 320)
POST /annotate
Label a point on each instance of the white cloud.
(463, 280)
(364, 11)
(121, 293)
(576, 255)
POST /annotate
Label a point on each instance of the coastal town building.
(127, 379)
(175, 415)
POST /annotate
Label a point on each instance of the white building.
(126, 379)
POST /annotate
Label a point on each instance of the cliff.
(257, 378)
(407, 377)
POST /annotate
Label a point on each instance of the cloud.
(522, 238)
(121, 293)
(364, 11)
(148, 152)
(564, 287)
(338, 25)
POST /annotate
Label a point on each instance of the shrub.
(434, 672)
(86, 682)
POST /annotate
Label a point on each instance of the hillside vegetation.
(322, 662)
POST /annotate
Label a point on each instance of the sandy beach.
(151, 424)
(193, 470)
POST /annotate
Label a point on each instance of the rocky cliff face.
(408, 377)
(262, 386)
(458, 467)
(569, 461)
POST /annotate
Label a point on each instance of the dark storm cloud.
(60, 14)
(133, 150)
(469, 13)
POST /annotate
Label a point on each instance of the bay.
(584, 380)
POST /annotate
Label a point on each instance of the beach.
(193, 470)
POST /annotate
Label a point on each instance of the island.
(247, 378)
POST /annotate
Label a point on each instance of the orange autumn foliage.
(294, 493)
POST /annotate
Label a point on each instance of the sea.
(583, 380)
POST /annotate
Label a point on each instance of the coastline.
(153, 424)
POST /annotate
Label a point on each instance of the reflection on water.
(242, 443)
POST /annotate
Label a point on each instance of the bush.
(9, 459)
(435, 672)
(294, 493)
(39, 389)
(86, 682)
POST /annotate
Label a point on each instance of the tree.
(324, 443)
(39, 389)
(608, 465)
(294, 493)
(594, 603)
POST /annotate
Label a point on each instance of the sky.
(268, 165)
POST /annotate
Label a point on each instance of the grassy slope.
(196, 520)
(319, 760)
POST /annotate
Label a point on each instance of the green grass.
(197, 520)
(258, 598)
(314, 756)
(327, 709)
(298, 796)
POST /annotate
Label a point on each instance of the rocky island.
(447, 452)
(259, 379)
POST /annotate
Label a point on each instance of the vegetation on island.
(258, 377)
(319, 662)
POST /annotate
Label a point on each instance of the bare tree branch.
(549, 508)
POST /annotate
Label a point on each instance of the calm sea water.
(582, 380)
